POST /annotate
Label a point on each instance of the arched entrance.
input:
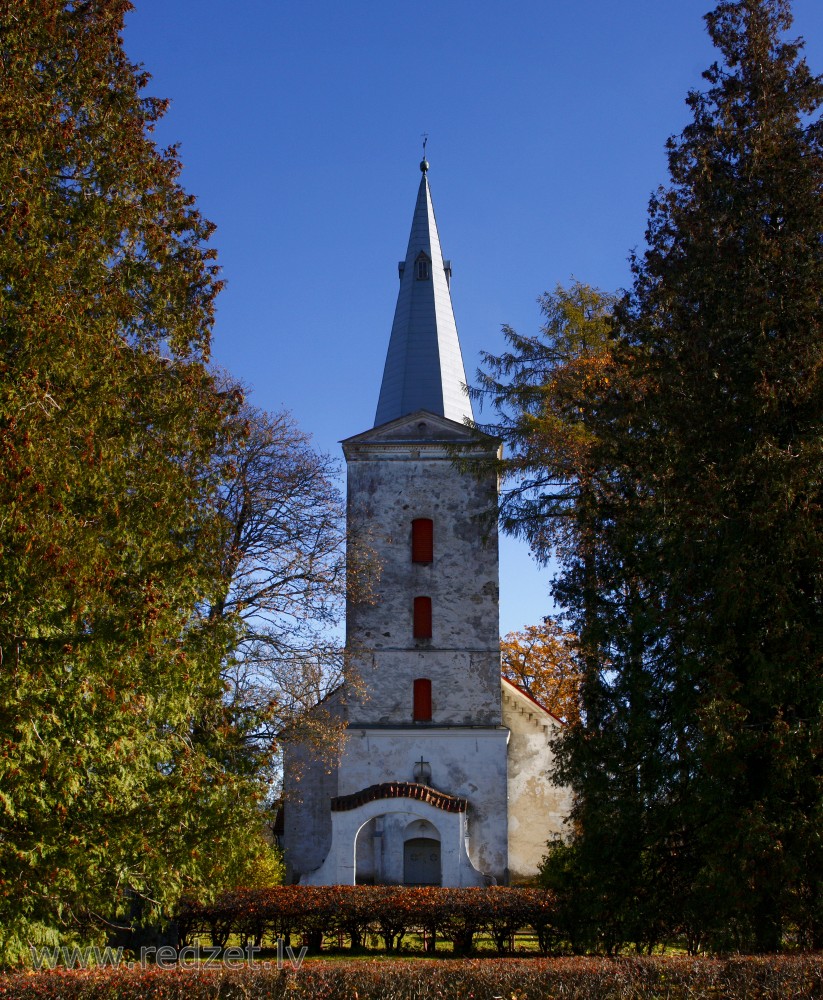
(368, 853)
(362, 850)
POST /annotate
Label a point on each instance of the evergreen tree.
(700, 784)
(555, 394)
(122, 774)
(723, 334)
(690, 537)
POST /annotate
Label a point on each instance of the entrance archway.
(408, 812)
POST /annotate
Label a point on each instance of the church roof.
(530, 698)
(424, 366)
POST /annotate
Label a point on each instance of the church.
(443, 777)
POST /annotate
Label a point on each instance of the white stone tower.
(421, 792)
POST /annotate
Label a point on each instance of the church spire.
(424, 367)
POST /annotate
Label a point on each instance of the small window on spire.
(422, 269)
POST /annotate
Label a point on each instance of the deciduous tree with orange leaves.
(540, 659)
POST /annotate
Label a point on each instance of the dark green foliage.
(691, 537)
(723, 339)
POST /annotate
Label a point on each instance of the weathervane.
(424, 163)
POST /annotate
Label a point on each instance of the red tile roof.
(400, 790)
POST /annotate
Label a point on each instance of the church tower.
(430, 698)
(434, 627)
(420, 795)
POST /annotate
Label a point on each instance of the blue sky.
(300, 127)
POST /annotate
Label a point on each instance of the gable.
(420, 427)
(522, 703)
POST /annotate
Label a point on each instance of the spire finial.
(424, 163)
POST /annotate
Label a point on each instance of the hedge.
(779, 978)
(391, 912)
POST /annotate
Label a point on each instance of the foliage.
(388, 911)
(689, 530)
(576, 979)
(722, 682)
(549, 392)
(123, 775)
(284, 575)
(541, 661)
(544, 390)
(283, 568)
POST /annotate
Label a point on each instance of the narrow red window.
(422, 540)
(422, 618)
(422, 700)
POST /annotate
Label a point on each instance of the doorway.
(421, 861)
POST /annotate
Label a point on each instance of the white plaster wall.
(469, 763)
(459, 681)
(309, 784)
(537, 808)
(399, 472)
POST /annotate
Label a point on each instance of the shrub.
(777, 978)
(391, 912)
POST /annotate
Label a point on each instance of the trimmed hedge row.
(780, 978)
(391, 912)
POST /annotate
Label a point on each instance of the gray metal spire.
(424, 367)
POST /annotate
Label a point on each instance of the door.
(421, 861)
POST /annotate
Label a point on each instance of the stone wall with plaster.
(399, 472)
(537, 808)
(514, 795)
(396, 473)
(469, 763)
(398, 817)
(310, 771)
